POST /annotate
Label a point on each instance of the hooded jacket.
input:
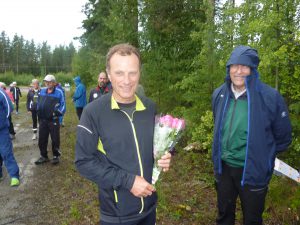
(269, 128)
(111, 149)
(79, 96)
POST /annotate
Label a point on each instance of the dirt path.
(15, 203)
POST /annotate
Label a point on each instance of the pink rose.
(180, 124)
(174, 123)
(168, 120)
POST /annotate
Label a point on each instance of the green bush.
(21, 79)
(63, 78)
(203, 133)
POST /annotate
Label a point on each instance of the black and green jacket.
(111, 149)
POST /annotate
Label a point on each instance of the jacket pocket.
(127, 203)
(108, 202)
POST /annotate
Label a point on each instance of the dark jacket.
(32, 98)
(16, 92)
(111, 149)
(79, 96)
(269, 128)
(98, 92)
(6, 107)
(50, 106)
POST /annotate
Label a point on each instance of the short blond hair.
(123, 49)
(35, 81)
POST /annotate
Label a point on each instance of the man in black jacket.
(114, 145)
(16, 94)
(103, 87)
(32, 98)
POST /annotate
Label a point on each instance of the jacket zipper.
(230, 125)
(248, 133)
(138, 152)
(220, 135)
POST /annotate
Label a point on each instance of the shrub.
(21, 79)
(204, 132)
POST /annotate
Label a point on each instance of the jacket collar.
(139, 104)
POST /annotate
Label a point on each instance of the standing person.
(79, 96)
(32, 98)
(6, 147)
(12, 132)
(251, 127)
(114, 145)
(103, 87)
(16, 94)
(60, 88)
(50, 106)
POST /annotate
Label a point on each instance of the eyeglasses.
(236, 67)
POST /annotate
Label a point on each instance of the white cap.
(49, 78)
(14, 83)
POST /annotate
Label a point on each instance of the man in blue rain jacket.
(251, 127)
(79, 96)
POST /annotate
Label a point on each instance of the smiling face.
(124, 74)
(238, 74)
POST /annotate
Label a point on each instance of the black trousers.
(148, 220)
(17, 104)
(11, 126)
(34, 120)
(79, 111)
(49, 127)
(228, 186)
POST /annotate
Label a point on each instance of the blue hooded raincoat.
(79, 96)
(269, 128)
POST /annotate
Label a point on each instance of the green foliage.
(203, 133)
(21, 79)
(26, 57)
(63, 78)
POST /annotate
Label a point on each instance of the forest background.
(184, 45)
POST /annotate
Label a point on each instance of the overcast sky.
(54, 21)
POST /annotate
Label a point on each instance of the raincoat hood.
(77, 80)
(244, 55)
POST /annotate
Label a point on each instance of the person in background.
(50, 106)
(252, 126)
(61, 118)
(79, 96)
(114, 146)
(6, 147)
(102, 88)
(32, 98)
(12, 132)
(16, 94)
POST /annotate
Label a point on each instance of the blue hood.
(77, 80)
(243, 55)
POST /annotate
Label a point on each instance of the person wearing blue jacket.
(79, 96)
(50, 106)
(251, 127)
(6, 147)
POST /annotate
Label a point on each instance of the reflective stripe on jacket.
(112, 148)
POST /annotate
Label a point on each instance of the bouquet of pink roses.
(167, 132)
